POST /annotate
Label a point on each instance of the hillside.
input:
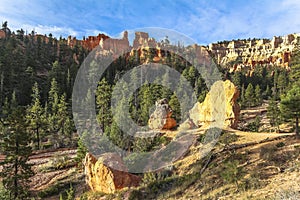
(266, 167)
(172, 94)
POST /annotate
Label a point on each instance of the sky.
(205, 21)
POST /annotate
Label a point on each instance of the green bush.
(268, 153)
(227, 138)
(56, 190)
(148, 177)
(232, 173)
(254, 125)
(4, 194)
(280, 144)
(135, 195)
(251, 183)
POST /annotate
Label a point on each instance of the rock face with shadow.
(108, 173)
(161, 118)
(219, 109)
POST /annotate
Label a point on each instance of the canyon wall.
(239, 54)
(235, 55)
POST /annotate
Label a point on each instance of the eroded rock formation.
(236, 55)
(219, 109)
(142, 39)
(108, 173)
(105, 42)
(161, 118)
(239, 54)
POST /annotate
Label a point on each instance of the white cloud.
(94, 32)
(41, 29)
(204, 21)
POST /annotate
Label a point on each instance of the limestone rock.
(101, 177)
(248, 53)
(142, 39)
(161, 117)
(219, 109)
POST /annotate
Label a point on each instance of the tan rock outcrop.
(142, 39)
(219, 109)
(161, 117)
(102, 177)
(248, 53)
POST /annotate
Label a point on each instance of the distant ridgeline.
(235, 54)
(239, 54)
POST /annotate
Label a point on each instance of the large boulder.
(161, 117)
(219, 109)
(108, 173)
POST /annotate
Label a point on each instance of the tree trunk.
(16, 192)
(38, 138)
(297, 126)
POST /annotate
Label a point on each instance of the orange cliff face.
(116, 45)
(102, 40)
(88, 43)
(236, 55)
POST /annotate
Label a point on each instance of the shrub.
(135, 195)
(232, 173)
(280, 144)
(227, 138)
(268, 153)
(251, 183)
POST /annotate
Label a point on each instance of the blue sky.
(205, 21)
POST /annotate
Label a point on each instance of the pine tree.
(257, 93)
(116, 134)
(249, 95)
(289, 105)
(135, 81)
(237, 79)
(81, 149)
(35, 114)
(282, 82)
(267, 93)
(243, 101)
(275, 80)
(294, 75)
(192, 74)
(175, 105)
(103, 96)
(53, 96)
(64, 122)
(70, 193)
(147, 102)
(15, 146)
(273, 113)
(166, 83)
(53, 117)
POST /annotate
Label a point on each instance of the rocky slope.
(268, 162)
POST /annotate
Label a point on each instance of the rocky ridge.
(235, 54)
(240, 54)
